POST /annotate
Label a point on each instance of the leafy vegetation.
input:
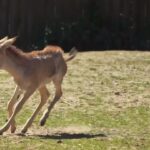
(105, 106)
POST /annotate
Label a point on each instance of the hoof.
(42, 122)
(23, 131)
(13, 130)
(1, 133)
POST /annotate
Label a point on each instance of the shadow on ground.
(70, 132)
(72, 136)
(63, 136)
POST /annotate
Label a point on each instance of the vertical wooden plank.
(141, 15)
(50, 10)
(22, 41)
(148, 11)
(67, 10)
(4, 10)
(32, 23)
(116, 9)
(13, 19)
(115, 14)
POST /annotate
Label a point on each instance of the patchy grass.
(105, 106)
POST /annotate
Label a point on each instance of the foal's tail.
(72, 54)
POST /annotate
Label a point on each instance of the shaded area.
(62, 136)
(86, 24)
(72, 136)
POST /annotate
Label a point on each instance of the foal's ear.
(3, 39)
(7, 43)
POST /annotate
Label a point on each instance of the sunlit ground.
(105, 105)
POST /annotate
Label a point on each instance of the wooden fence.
(96, 24)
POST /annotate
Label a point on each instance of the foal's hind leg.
(58, 94)
(17, 108)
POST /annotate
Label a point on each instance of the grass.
(105, 106)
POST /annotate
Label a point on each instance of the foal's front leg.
(44, 96)
(18, 107)
(11, 104)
